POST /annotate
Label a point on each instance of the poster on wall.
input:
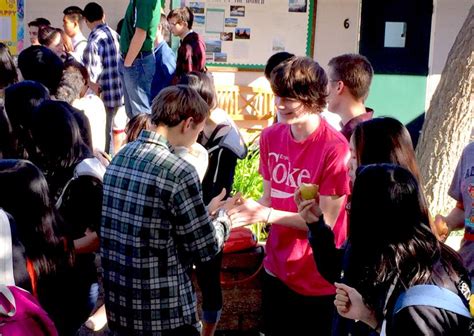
(245, 33)
(11, 24)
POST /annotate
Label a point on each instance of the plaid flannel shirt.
(101, 58)
(154, 225)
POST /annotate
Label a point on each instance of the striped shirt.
(154, 226)
(101, 58)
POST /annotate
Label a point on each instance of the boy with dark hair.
(72, 27)
(101, 58)
(164, 58)
(300, 148)
(275, 60)
(137, 64)
(155, 223)
(33, 28)
(350, 76)
(41, 64)
(192, 51)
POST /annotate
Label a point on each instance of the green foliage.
(249, 182)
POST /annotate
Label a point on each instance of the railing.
(245, 102)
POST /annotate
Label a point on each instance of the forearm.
(455, 219)
(135, 46)
(222, 225)
(87, 244)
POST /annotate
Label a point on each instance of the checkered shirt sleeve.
(101, 58)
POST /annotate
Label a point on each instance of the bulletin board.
(11, 24)
(243, 34)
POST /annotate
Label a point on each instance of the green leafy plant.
(249, 182)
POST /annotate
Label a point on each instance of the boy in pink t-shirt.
(301, 148)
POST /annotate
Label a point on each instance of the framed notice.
(243, 34)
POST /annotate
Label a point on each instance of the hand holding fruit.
(307, 199)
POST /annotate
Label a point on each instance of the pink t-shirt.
(320, 159)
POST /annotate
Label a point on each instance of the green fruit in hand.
(308, 191)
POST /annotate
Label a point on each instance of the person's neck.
(96, 23)
(301, 130)
(350, 110)
(169, 134)
(185, 33)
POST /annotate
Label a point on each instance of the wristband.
(268, 216)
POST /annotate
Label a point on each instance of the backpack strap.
(434, 296)
(8, 295)
(6, 251)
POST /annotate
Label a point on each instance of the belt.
(141, 54)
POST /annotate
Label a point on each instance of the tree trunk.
(449, 121)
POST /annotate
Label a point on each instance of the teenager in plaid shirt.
(155, 224)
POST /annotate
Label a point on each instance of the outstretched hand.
(249, 212)
(217, 202)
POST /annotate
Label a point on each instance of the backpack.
(438, 297)
(87, 167)
(434, 296)
(21, 314)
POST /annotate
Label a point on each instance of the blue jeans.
(136, 83)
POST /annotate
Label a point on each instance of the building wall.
(53, 11)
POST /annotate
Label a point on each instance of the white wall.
(53, 11)
(448, 17)
(331, 38)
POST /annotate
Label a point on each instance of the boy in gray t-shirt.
(462, 216)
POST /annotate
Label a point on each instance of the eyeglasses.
(174, 24)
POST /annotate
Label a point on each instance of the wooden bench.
(245, 102)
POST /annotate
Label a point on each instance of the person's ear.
(186, 124)
(340, 87)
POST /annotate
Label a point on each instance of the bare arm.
(455, 219)
(251, 212)
(331, 206)
(135, 46)
(87, 244)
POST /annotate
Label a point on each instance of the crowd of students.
(101, 239)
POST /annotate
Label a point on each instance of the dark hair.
(93, 12)
(135, 125)
(177, 103)
(8, 74)
(26, 198)
(183, 14)
(355, 71)
(73, 13)
(20, 101)
(385, 140)
(203, 84)
(387, 198)
(39, 22)
(58, 137)
(47, 34)
(41, 64)
(119, 26)
(275, 60)
(301, 78)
